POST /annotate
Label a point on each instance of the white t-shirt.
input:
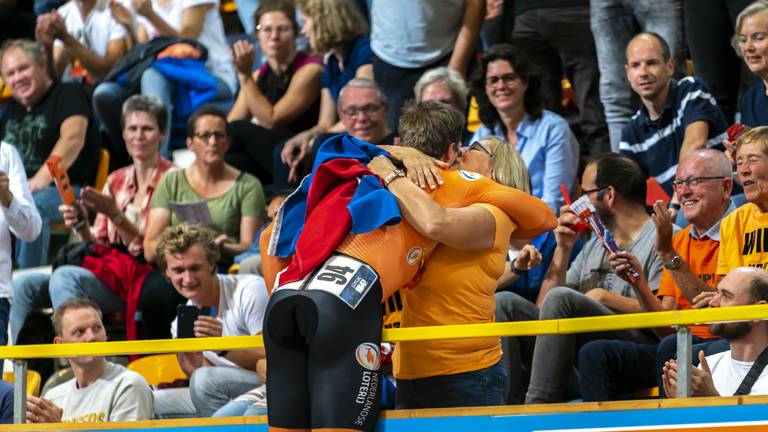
(727, 374)
(242, 303)
(95, 32)
(212, 36)
(118, 395)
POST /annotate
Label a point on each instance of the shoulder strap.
(753, 374)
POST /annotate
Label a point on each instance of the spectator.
(409, 38)
(19, 217)
(188, 256)
(750, 45)
(101, 391)
(725, 373)
(613, 369)
(508, 93)
(741, 232)
(82, 40)
(614, 23)
(6, 402)
(708, 27)
(337, 29)
(121, 211)
(674, 117)
(563, 27)
(199, 20)
(616, 188)
(280, 99)
(444, 85)
(45, 118)
(234, 200)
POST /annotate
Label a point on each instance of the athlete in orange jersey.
(323, 349)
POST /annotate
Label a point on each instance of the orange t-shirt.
(456, 287)
(701, 257)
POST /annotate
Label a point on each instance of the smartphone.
(186, 315)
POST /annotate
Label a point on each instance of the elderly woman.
(337, 29)
(282, 98)
(444, 85)
(228, 201)
(751, 44)
(510, 102)
(121, 208)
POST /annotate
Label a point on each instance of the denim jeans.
(37, 290)
(245, 405)
(517, 351)
(35, 253)
(614, 369)
(5, 309)
(483, 387)
(154, 83)
(614, 23)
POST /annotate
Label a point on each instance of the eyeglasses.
(693, 181)
(507, 78)
(365, 109)
(597, 189)
(478, 146)
(270, 30)
(205, 136)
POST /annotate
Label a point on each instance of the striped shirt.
(655, 145)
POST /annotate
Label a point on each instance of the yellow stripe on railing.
(522, 328)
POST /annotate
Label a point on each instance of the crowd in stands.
(187, 152)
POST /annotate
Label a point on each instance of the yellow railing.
(521, 328)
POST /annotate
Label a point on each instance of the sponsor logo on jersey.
(414, 255)
(367, 354)
(469, 175)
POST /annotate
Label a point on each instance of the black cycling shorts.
(323, 353)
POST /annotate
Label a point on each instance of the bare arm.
(615, 302)
(95, 64)
(190, 361)
(248, 227)
(246, 359)
(192, 19)
(466, 41)
(695, 137)
(71, 142)
(158, 220)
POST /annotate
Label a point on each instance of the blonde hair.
(753, 9)
(334, 21)
(180, 238)
(758, 135)
(507, 167)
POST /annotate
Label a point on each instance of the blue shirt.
(356, 53)
(550, 152)
(754, 106)
(655, 145)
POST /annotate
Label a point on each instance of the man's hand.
(40, 410)
(73, 214)
(702, 299)
(598, 294)
(43, 31)
(6, 196)
(669, 378)
(142, 7)
(121, 13)
(493, 9)
(93, 199)
(701, 379)
(243, 55)
(381, 166)
(663, 221)
(206, 326)
(564, 235)
(623, 262)
(58, 28)
(294, 151)
(528, 258)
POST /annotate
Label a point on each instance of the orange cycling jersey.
(397, 252)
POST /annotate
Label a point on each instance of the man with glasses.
(616, 188)
(675, 117)
(613, 369)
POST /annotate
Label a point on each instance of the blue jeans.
(614, 23)
(154, 83)
(36, 290)
(35, 253)
(483, 387)
(614, 369)
(5, 309)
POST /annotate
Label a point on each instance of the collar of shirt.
(667, 115)
(522, 132)
(714, 231)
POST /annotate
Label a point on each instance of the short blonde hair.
(335, 22)
(507, 167)
(177, 239)
(758, 135)
(753, 9)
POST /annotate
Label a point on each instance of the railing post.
(684, 361)
(19, 391)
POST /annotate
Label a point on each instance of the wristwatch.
(392, 176)
(674, 264)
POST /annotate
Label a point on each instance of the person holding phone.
(217, 305)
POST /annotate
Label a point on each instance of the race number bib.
(345, 277)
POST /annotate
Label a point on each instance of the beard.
(731, 331)
(604, 213)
